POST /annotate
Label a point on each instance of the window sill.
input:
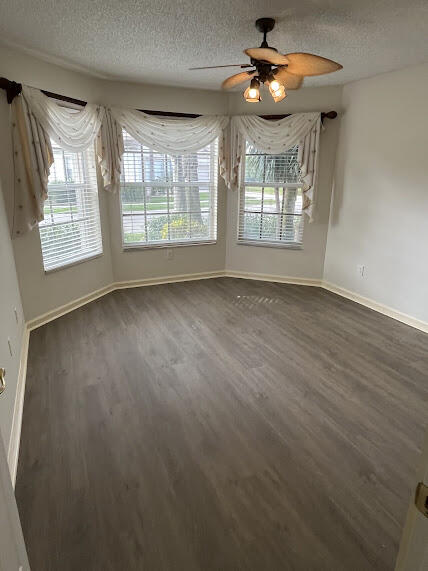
(131, 247)
(269, 244)
(75, 263)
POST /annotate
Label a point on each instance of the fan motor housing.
(263, 69)
(265, 25)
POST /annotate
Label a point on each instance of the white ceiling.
(156, 41)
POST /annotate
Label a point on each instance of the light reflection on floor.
(250, 301)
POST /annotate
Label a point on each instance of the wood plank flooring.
(220, 425)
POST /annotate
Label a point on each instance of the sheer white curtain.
(36, 119)
(276, 137)
(32, 158)
(41, 118)
(171, 135)
(73, 130)
(109, 148)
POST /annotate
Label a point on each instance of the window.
(271, 199)
(168, 199)
(71, 229)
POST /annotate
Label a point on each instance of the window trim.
(135, 246)
(74, 263)
(289, 246)
(165, 245)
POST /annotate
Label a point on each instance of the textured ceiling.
(156, 41)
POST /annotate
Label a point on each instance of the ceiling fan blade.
(288, 80)
(267, 54)
(237, 79)
(228, 65)
(310, 64)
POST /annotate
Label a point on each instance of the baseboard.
(15, 433)
(168, 279)
(376, 306)
(370, 303)
(66, 308)
(273, 278)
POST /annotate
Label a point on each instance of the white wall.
(10, 300)
(309, 261)
(380, 204)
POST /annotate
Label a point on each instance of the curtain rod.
(13, 89)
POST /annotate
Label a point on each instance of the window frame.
(134, 246)
(82, 218)
(241, 211)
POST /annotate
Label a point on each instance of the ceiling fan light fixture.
(274, 85)
(252, 93)
(279, 94)
(249, 99)
(276, 70)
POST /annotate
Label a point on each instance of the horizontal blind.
(71, 229)
(168, 199)
(271, 198)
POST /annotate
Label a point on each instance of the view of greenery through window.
(70, 230)
(271, 200)
(166, 198)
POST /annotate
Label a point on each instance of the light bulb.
(252, 93)
(279, 94)
(276, 89)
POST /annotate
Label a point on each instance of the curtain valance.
(74, 130)
(174, 136)
(37, 118)
(276, 137)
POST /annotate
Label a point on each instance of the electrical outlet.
(169, 254)
(361, 269)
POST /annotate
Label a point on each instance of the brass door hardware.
(421, 498)
(2, 380)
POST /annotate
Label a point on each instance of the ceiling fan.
(278, 71)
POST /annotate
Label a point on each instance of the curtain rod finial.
(14, 90)
(11, 87)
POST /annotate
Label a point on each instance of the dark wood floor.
(220, 425)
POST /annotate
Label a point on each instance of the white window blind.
(271, 199)
(168, 199)
(71, 230)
